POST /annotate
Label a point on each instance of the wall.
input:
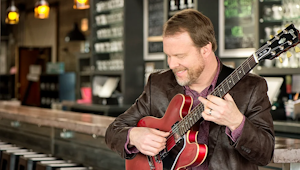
(66, 17)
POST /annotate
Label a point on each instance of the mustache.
(175, 70)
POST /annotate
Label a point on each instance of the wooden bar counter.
(80, 136)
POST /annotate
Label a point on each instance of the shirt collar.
(214, 82)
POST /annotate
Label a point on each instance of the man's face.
(184, 58)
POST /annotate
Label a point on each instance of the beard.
(192, 75)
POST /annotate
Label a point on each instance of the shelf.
(117, 23)
(99, 53)
(275, 71)
(261, 20)
(155, 39)
(109, 72)
(84, 57)
(108, 38)
(85, 73)
(108, 11)
(270, 1)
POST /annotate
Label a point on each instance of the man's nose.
(172, 62)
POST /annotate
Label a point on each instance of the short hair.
(198, 26)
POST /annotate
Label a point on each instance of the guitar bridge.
(163, 153)
(150, 161)
(157, 159)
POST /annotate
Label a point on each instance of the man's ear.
(206, 50)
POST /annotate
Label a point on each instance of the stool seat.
(41, 166)
(10, 158)
(35, 156)
(7, 145)
(15, 157)
(5, 148)
(29, 163)
(54, 162)
(74, 168)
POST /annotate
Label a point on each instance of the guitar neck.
(223, 88)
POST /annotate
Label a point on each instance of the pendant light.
(75, 34)
(41, 9)
(81, 4)
(12, 14)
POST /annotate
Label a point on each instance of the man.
(238, 128)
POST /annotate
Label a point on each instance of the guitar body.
(191, 154)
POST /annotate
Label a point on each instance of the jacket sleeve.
(257, 140)
(116, 133)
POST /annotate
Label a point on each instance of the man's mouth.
(180, 73)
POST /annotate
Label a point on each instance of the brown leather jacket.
(254, 147)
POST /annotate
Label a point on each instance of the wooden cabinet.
(7, 84)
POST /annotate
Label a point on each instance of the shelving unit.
(274, 15)
(56, 88)
(269, 23)
(117, 49)
(84, 72)
(156, 13)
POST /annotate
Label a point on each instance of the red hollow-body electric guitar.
(179, 118)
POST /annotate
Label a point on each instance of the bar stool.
(75, 168)
(7, 160)
(6, 147)
(41, 166)
(15, 156)
(28, 162)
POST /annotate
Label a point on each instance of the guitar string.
(234, 76)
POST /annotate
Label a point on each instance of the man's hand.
(148, 141)
(222, 111)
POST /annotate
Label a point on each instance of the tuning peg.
(279, 31)
(288, 54)
(280, 60)
(297, 49)
(271, 36)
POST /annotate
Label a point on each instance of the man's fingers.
(228, 97)
(160, 133)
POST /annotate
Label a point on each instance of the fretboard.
(223, 88)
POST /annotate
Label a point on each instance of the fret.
(242, 68)
(221, 91)
(225, 87)
(228, 84)
(196, 116)
(191, 122)
(233, 82)
(182, 127)
(182, 131)
(187, 123)
(236, 75)
(239, 73)
(248, 65)
(214, 93)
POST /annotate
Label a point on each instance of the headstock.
(280, 43)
